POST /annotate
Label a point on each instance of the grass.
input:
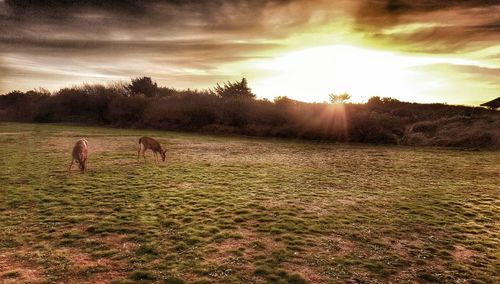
(232, 210)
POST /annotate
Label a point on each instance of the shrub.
(232, 109)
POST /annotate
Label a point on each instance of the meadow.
(230, 209)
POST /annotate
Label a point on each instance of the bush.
(232, 109)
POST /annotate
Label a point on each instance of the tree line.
(232, 108)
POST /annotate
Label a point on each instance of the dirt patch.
(462, 254)
(221, 252)
(23, 272)
(102, 278)
(404, 276)
(308, 273)
(401, 246)
(338, 245)
(319, 208)
(253, 244)
(116, 241)
(274, 203)
(77, 257)
(81, 261)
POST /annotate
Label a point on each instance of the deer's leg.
(70, 165)
(142, 149)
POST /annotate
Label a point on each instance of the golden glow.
(311, 74)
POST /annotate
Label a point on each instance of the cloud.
(94, 20)
(182, 40)
(210, 50)
(470, 73)
(137, 19)
(443, 26)
(441, 38)
(389, 12)
(461, 84)
(123, 37)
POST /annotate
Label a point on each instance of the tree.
(339, 99)
(374, 101)
(236, 90)
(143, 85)
(378, 101)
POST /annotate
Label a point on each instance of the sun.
(311, 74)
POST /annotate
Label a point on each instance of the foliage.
(339, 99)
(144, 86)
(232, 109)
(234, 90)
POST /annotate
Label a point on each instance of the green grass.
(232, 210)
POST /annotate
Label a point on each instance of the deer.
(148, 143)
(80, 154)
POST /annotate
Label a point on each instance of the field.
(241, 210)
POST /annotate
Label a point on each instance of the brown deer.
(80, 154)
(148, 143)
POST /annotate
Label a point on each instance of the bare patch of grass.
(462, 254)
(14, 271)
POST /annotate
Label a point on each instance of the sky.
(412, 50)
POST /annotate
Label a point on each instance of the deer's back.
(80, 149)
(150, 143)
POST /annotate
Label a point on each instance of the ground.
(243, 210)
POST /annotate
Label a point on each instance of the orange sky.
(420, 50)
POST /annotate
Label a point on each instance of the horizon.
(210, 90)
(425, 51)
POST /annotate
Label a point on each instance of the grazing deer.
(146, 143)
(80, 154)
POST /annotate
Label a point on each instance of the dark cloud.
(89, 19)
(378, 11)
(419, 6)
(152, 19)
(442, 39)
(177, 46)
(446, 26)
(135, 20)
(202, 54)
(40, 11)
(84, 35)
